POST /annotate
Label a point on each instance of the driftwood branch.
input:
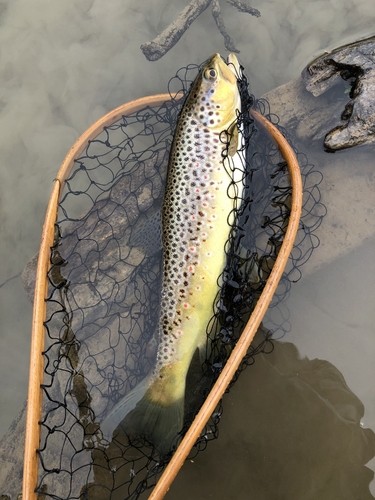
(243, 7)
(165, 41)
(158, 47)
(228, 40)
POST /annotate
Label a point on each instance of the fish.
(205, 177)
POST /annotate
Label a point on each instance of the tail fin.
(136, 415)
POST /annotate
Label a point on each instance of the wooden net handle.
(36, 372)
(32, 438)
(252, 325)
(34, 396)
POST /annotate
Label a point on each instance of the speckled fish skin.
(195, 221)
(196, 216)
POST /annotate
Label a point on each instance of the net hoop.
(34, 407)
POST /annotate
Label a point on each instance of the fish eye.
(210, 74)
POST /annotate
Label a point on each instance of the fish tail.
(137, 415)
(159, 424)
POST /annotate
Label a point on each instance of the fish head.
(215, 98)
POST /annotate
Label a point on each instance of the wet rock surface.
(355, 64)
(348, 185)
(128, 199)
(105, 229)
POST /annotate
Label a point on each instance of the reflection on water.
(290, 430)
(333, 318)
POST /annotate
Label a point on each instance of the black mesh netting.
(102, 309)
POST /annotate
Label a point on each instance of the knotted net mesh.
(104, 293)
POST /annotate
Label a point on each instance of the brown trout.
(205, 177)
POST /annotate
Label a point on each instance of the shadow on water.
(290, 430)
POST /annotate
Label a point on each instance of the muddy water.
(287, 420)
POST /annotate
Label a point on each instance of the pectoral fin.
(233, 140)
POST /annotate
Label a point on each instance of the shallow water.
(64, 65)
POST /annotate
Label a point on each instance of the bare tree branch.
(158, 47)
(165, 41)
(228, 40)
(243, 7)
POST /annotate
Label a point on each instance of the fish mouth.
(234, 65)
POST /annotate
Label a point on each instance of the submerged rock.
(354, 63)
(128, 200)
(348, 185)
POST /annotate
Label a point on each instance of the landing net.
(104, 294)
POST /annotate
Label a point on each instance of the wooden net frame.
(30, 472)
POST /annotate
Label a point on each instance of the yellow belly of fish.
(203, 286)
(197, 308)
(169, 386)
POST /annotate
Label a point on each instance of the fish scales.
(197, 212)
(195, 228)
